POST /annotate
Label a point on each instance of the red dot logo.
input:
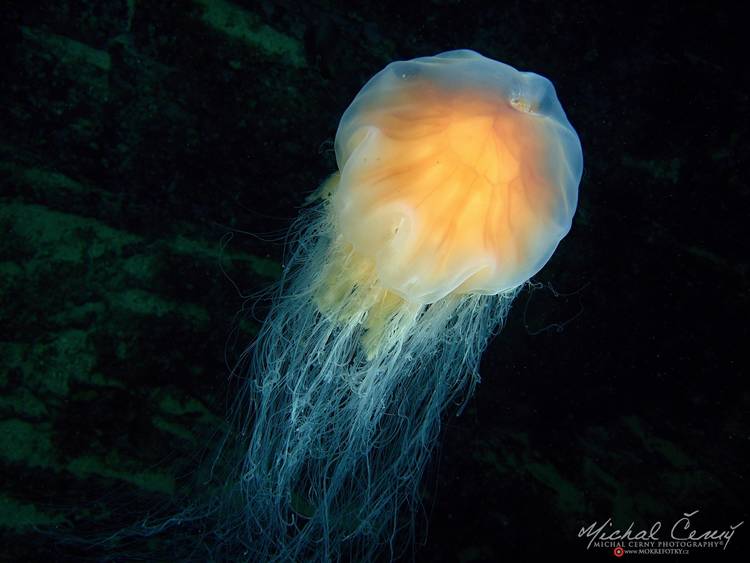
(618, 551)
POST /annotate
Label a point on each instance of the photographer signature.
(681, 530)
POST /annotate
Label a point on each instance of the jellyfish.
(457, 178)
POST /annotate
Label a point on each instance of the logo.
(679, 537)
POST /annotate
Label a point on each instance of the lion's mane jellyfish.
(457, 178)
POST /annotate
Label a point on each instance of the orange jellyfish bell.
(458, 173)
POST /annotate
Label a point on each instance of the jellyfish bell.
(457, 174)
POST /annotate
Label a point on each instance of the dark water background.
(136, 137)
